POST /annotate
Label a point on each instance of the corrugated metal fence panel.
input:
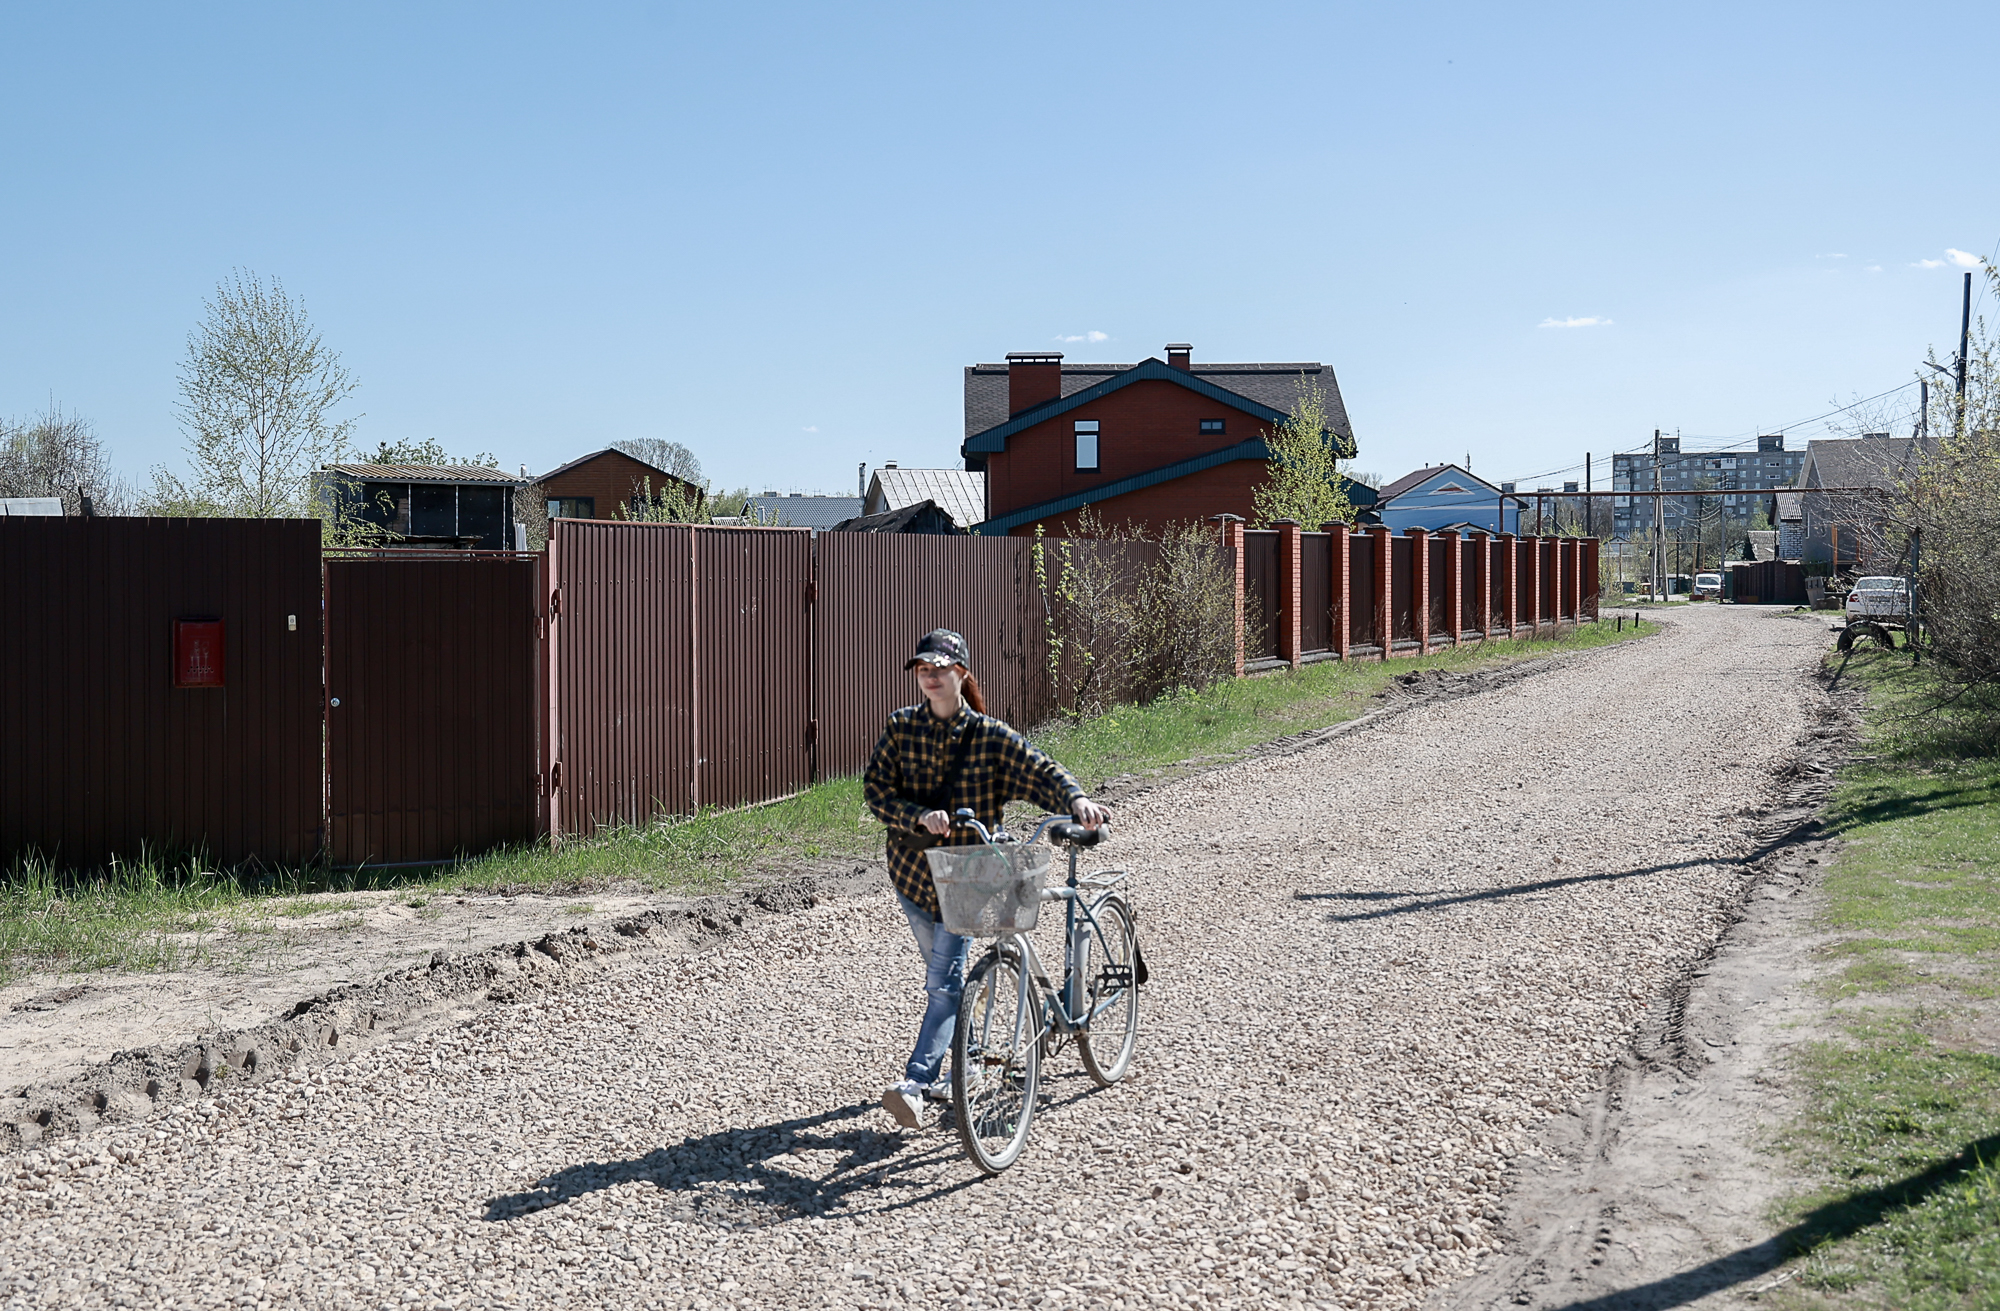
(1545, 561)
(1590, 578)
(1468, 582)
(1402, 575)
(623, 658)
(1524, 581)
(1360, 590)
(1441, 589)
(755, 700)
(435, 747)
(100, 755)
(879, 593)
(1316, 604)
(1260, 593)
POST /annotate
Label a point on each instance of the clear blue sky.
(777, 232)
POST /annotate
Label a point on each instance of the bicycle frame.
(1064, 1009)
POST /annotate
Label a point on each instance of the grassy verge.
(168, 915)
(1900, 1142)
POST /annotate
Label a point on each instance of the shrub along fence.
(216, 686)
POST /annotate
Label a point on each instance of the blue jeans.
(944, 980)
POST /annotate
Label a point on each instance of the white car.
(1708, 585)
(1883, 597)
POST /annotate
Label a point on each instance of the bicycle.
(1010, 1015)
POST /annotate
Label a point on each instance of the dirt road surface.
(1383, 968)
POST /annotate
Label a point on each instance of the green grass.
(169, 915)
(1248, 712)
(1899, 1141)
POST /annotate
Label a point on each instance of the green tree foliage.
(258, 394)
(1946, 520)
(1304, 483)
(427, 451)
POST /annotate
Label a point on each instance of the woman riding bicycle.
(934, 757)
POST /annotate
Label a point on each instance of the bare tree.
(258, 391)
(59, 454)
(671, 457)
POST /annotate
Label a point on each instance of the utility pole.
(1659, 526)
(1923, 408)
(1589, 503)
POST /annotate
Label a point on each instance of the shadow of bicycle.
(813, 1165)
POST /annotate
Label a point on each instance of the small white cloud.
(1829, 257)
(1873, 268)
(1092, 335)
(809, 429)
(1963, 259)
(1592, 321)
(1928, 264)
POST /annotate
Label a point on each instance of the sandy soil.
(53, 1026)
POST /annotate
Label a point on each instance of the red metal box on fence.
(198, 653)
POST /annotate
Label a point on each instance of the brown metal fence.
(697, 667)
(433, 681)
(878, 593)
(1467, 590)
(101, 754)
(1317, 603)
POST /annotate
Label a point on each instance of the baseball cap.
(941, 646)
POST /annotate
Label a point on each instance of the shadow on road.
(1829, 1223)
(744, 1178)
(1432, 898)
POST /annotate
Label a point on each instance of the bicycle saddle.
(1077, 835)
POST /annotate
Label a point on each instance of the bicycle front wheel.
(1106, 1043)
(996, 1059)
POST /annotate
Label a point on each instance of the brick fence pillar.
(1508, 562)
(1289, 544)
(1483, 580)
(1338, 581)
(1420, 586)
(1385, 623)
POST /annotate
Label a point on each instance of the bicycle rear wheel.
(1106, 1043)
(996, 1060)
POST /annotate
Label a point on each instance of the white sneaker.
(905, 1102)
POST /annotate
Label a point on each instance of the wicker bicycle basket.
(988, 892)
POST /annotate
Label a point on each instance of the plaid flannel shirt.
(909, 763)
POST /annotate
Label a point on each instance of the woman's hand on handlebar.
(1089, 814)
(935, 821)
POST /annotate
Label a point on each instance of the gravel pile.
(1378, 966)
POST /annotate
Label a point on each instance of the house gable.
(994, 439)
(607, 481)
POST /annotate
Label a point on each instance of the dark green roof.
(995, 439)
(1358, 494)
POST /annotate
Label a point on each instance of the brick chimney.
(1032, 378)
(1180, 355)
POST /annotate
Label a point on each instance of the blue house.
(1447, 496)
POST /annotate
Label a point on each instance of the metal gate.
(433, 677)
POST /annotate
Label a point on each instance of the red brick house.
(598, 485)
(1147, 443)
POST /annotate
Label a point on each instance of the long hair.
(969, 690)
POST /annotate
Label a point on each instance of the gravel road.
(1378, 966)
